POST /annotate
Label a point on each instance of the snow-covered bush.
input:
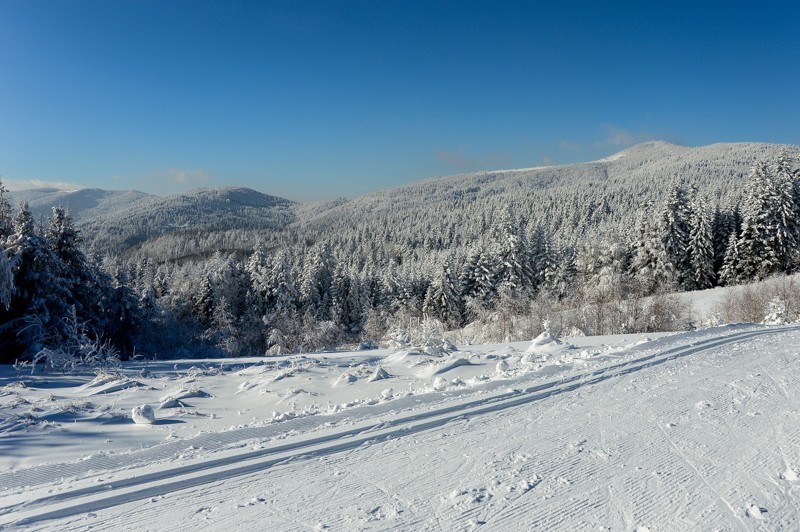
(426, 335)
(79, 349)
(773, 301)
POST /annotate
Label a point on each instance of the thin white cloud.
(617, 137)
(28, 184)
(197, 176)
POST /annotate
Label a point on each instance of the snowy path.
(579, 463)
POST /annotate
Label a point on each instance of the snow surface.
(689, 431)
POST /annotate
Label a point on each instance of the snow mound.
(410, 358)
(256, 369)
(143, 415)
(450, 365)
(754, 512)
(17, 422)
(108, 383)
(547, 343)
(175, 397)
(543, 340)
(379, 374)
(345, 380)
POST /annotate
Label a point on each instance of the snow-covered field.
(695, 430)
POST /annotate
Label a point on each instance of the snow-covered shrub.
(426, 335)
(665, 312)
(773, 301)
(78, 349)
(777, 313)
(744, 304)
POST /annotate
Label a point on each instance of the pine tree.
(6, 280)
(123, 313)
(40, 307)
(514, 269)
(544, 259)
(204, 301)
(282, 318)
(729, 274)
(76, 274)
(701, 249)
(6, 215)
(444, 300)
(768, 240)
(316, 281)
(675, 231)
(650, 265)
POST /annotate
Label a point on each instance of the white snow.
(143, 415)
(688, 431)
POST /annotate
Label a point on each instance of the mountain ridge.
(571, 201)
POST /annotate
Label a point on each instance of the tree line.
(304, 296)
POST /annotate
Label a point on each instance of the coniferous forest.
(483, 270)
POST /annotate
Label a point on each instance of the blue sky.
(315, 100)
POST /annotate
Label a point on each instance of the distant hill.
(126, 222)
(82, 204)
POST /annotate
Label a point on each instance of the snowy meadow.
(658, 432)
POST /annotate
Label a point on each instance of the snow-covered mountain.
(203, 214)
(83, 204)
(438, 214)
(125, 221)
(569, 199)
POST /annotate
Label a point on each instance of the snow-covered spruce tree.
(787, 175)
(724, 224)
(649, 267)
(253, 334)
(468, 274)
(222, 331)
(6, 215)
(701, 249)
(82, 282)
(6, 279)
(768, 239)
(675, 229)
(444, 300)
(515, 271)
(316, 280)
(485, 277)
(563, 282)
(349, 302)
(40, 303)
(282, 318)
(544, 258)
(231, 281)
(123, 313)
(204, 301)
(729, 274)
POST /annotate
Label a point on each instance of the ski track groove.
(151, 485)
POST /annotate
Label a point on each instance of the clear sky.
(315, 100)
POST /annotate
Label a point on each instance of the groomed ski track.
(130, 485)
